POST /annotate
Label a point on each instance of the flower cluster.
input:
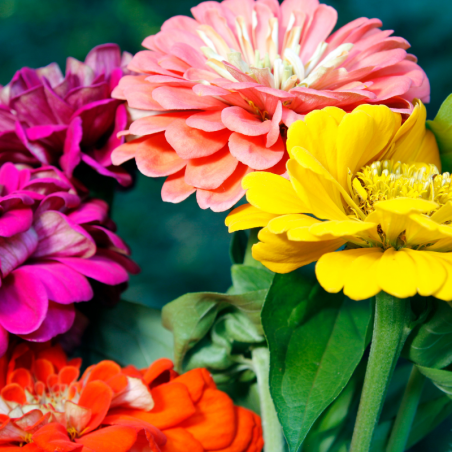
(45, 406)
(46, 118)
(222, 88)
(370, 184)
(53, 242)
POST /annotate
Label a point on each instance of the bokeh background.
(180, 247)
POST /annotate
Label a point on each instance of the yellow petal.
(430, 272)
(286, 222)
(360, 282)
(317, 133)
(334, 229)
(443, 214)
(422, 230)
(428, 151)
(445, 292)
(362, 137)
(332, 268)
(317, 186)
(281, 255)
(247, 217)
(272, 193)
(396, 274)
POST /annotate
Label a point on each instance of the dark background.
(180, 247)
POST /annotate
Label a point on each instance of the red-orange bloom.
(46, 407)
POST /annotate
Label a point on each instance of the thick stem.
(391, 327)
(273, 436)
(407, 411)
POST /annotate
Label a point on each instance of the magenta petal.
(41, 132)
(104, 59)
(72, 153)
(3, 341)
(14, 251)
(107, 239)
(121, 259)
(9, 178)
(23, 302)
(15, 221)
(97, 267)
(59, 319)
(62, 283)
(95, 210)
(59, 236)
(120, 174)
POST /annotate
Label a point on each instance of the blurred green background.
(180, 247)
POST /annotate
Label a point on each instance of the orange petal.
(103, 371)
(14, 393)
(68, 374)
(53, 437)
(43, 369)
(173, 405)
(214, 422)
(117, 383)
(157, 369)
(179, 439)
(10, 433)
(57, 357)
(21, 377)
(116, 438)
(96, 396)
(196, 381)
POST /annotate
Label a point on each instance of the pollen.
(383, 180)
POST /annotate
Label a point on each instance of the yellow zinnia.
(371, 187)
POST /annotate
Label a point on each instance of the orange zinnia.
(45, 407)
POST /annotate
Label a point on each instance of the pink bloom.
(49, 119)
(229, 82)
(53, 243)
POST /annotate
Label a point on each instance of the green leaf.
(128, 334)
(441, 126)
(191, 316)
(430, 344)
(249, 279)
(442, 379)
(428, 416)
(316, 341)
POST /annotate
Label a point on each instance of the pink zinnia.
(52, 243)
(46, 118)
(228, 83)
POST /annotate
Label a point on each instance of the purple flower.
(53, 242)
(46, 118)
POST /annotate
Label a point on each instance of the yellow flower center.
(386, 179)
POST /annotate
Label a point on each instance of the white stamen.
(312, 63)
(206, 40)
(220, 69)
(209, 53)
(278, 68)
(295, 62)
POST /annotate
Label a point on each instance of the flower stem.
(391, 328)
(407, 411)
(273, 436)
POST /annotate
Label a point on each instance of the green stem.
(391, 328)
(407, 411)
(273, 436)
(252, 239)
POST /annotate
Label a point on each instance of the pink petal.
(14, 221)
(91, 211)
(289, 117)
(138, 93)
(225, 196)
(62, 283)
(127, 151)
(387, 87)
(381, 59)
(155, 157)
(252, 151)
(72, 153)
(59, 236)
(210, 172)
(58, 320)
(208, 121)
(154, 123)
(175, 189)
(173, 98)
(97, 267)
(14, 251)
(239, 120)
(23, 302)
(193, 143)
(144, 62)
(274, 132)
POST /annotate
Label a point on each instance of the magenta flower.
(52, 243)
(228, 83)
(50, 119)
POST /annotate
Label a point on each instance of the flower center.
(282, 69)
(387, 180)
